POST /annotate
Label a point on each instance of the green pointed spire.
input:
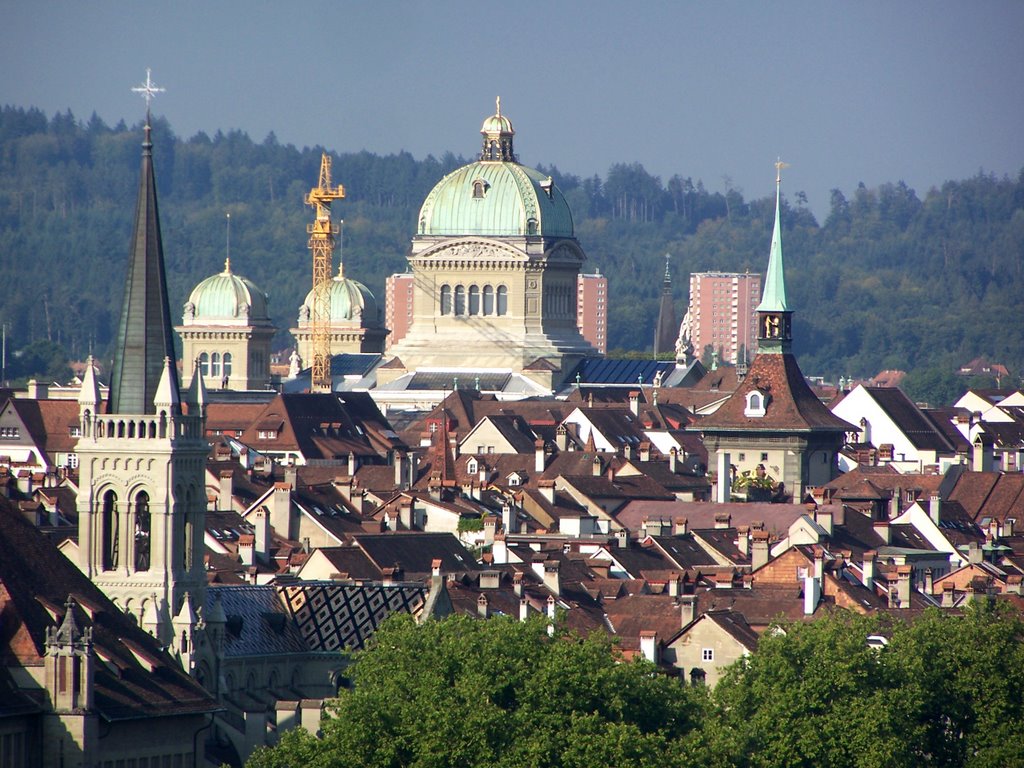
(773, 298)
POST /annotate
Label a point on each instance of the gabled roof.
(415, 552)
(35, 583)
(791, 405)
(910, 420)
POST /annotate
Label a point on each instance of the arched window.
(143, 525)
(474, 300)
(227, 363)
(756, 403)
(446, 299)
(479, 187)
(188, 532)
(502, 300)
(108, 521)
(460, 300)
(215, 364)
(204, 364)
(488, 300)
(531, 226)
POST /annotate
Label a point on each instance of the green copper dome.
(227, 296)
(350, 301)
(495, 196)
(495, 199)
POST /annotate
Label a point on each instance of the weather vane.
(148, 90)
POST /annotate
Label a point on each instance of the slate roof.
(792, 406)
(911, 421)
(684, 551)
(414, 552)
(36, 581)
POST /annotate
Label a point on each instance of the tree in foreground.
(464, 692)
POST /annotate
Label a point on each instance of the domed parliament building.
(494, 264)
(355, 325)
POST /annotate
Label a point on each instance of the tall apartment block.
(592, 309)
(722, 313)
(398, 290)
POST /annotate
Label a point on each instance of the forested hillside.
(891, 279)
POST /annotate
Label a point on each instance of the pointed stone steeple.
(665, 332)
(144, 337)
(774, 318)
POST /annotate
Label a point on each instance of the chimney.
(687, 609)
(291, 477)
(351, 464)
(596, 469)
(481, 607)
(524, 609)
(673, 584)
(649, 645)
(868, 569)
(758, 549)
(344, 486)
(882, 530)
(982, 454)
(37, 390)
(722, 520)
(645, 450)
(929, 581)
(509, 520)
(819, 563)
(538, 455)
(388, 576)
(935, 508)
(824, 519)
(499, 550)
(435, 570)
(551, 616)
(517, 583)
(903, 574)
(552, 577)
(812, 595)
(246, 542)
(1013, 584)
(723, 483)
(673, 455)
(400, 470)
(681, 526)
(974, 553)
(627, 451)
(622, 538)
(490, 528)
(895, 502)
(547, 490)
(261, 522)
(561, 438)
(948, 594)
(224, 496)
(634, 402)
(281, 510)
(743, 540)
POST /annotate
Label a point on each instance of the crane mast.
(321, 242)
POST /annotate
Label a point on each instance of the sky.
(845, 92)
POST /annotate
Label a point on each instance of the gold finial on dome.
(497, 132)
(227, 246)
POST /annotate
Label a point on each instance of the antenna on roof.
(227, 251)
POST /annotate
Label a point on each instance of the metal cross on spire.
(779, 165)
(148, 90)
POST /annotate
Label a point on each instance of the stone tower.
(141, 497)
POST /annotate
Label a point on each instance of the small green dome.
(495, 199)
(350, 301)
(227, 296)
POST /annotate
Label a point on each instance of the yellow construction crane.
(321, 242)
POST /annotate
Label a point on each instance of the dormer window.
(480, 188)
(472, 466)
(756, 402)
(515, 479)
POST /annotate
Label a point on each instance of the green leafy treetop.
(463, 692)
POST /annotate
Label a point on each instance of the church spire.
(774, 318)
(665, 332)
(773, 298)
(144, 337)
